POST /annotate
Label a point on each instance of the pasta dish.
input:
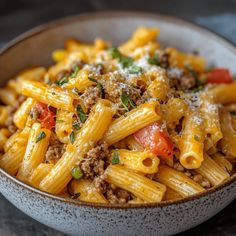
(137, 123)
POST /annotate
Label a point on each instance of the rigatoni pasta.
(133, 124)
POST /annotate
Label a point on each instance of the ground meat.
(180, 81)
(91, 96)
(55, 150)
(93, 164)
(164, 60)
(117, 196)
(187, 82)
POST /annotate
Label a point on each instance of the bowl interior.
(35, 47)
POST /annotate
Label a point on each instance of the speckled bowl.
(34, 48)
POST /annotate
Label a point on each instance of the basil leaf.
(81, 114)
(115, 158)
(72, 137)
(126, 62)
(126, 101)
(40, 136)
(115, 53)
(62, 81)
(74, 72)
(77, 173)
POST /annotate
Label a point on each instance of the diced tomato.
(219, 76)
(153, 137)
(45, 115)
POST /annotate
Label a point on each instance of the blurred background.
(17, 16)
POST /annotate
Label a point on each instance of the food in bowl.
(135, 124)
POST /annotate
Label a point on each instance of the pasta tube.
(12, 159)
(21, 115)
(86, 192)
(54, 96)
(192, 139)
(64, 125)
(177, 181)
(212, 171)
(142, 161)
(222, 162)
(142, 187)
(39, 173)
(227, 143)
(91, 132)
(35, 151)
(135, 120)
(223, 93)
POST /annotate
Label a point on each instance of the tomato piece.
(156, 139)
(45, 115)
(219, 76)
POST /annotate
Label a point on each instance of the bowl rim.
(111, 14)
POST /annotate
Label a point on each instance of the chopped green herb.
(62, 81)
(40, 136)
(74, 72)
(81, 114)
(192, 72)
(60, 121)
(126, 62)
(153, 60)
(197, 89)
(233, 113)
(72, 137)
(126, 101)
(115, 53)
(77, 173)
(115, 158)
(135, 70)
(77, 194)
(76, 126)
(197, 138)
(93, 80)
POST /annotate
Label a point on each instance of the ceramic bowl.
(34, 48)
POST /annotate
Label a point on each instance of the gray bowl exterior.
(34, 48)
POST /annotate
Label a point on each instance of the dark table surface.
(20, 15)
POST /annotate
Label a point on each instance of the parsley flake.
(81, 114)
(153, 60)
(77, 173)
(126, 101)
(62, 81)
(115, 158)
(74, 72)
(76, 126)
(115, 53)
(72, 137)
(135, 70)
(40, 136)
(196, 137)
(126, 62)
